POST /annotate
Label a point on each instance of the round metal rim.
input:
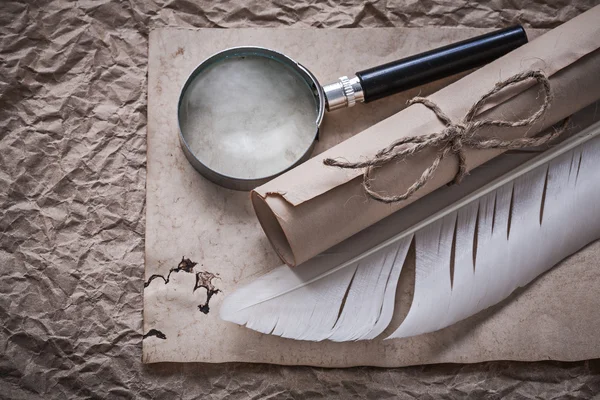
(232, 182)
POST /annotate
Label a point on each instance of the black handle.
(432, 65)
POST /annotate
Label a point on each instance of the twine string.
(453, 139)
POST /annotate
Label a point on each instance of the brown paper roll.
(313, 207)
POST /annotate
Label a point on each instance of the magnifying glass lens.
(248, 116)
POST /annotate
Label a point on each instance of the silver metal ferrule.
(343, 93)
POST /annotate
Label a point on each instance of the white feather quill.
(469, 257)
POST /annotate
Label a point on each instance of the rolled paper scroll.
(313, 207)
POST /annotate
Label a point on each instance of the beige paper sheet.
(313, 207)
(189, 216)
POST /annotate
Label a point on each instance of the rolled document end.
(273, 229)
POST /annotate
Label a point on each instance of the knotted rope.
(455, 137)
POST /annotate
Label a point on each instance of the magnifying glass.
(248, 114)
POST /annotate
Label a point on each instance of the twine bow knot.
(453, 139)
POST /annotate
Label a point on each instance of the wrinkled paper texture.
(72, 216)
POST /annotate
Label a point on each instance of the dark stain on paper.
(179, 52)
(185, 265)
(155, 332)
(204, 280)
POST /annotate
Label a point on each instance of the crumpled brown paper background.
(72, 176)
